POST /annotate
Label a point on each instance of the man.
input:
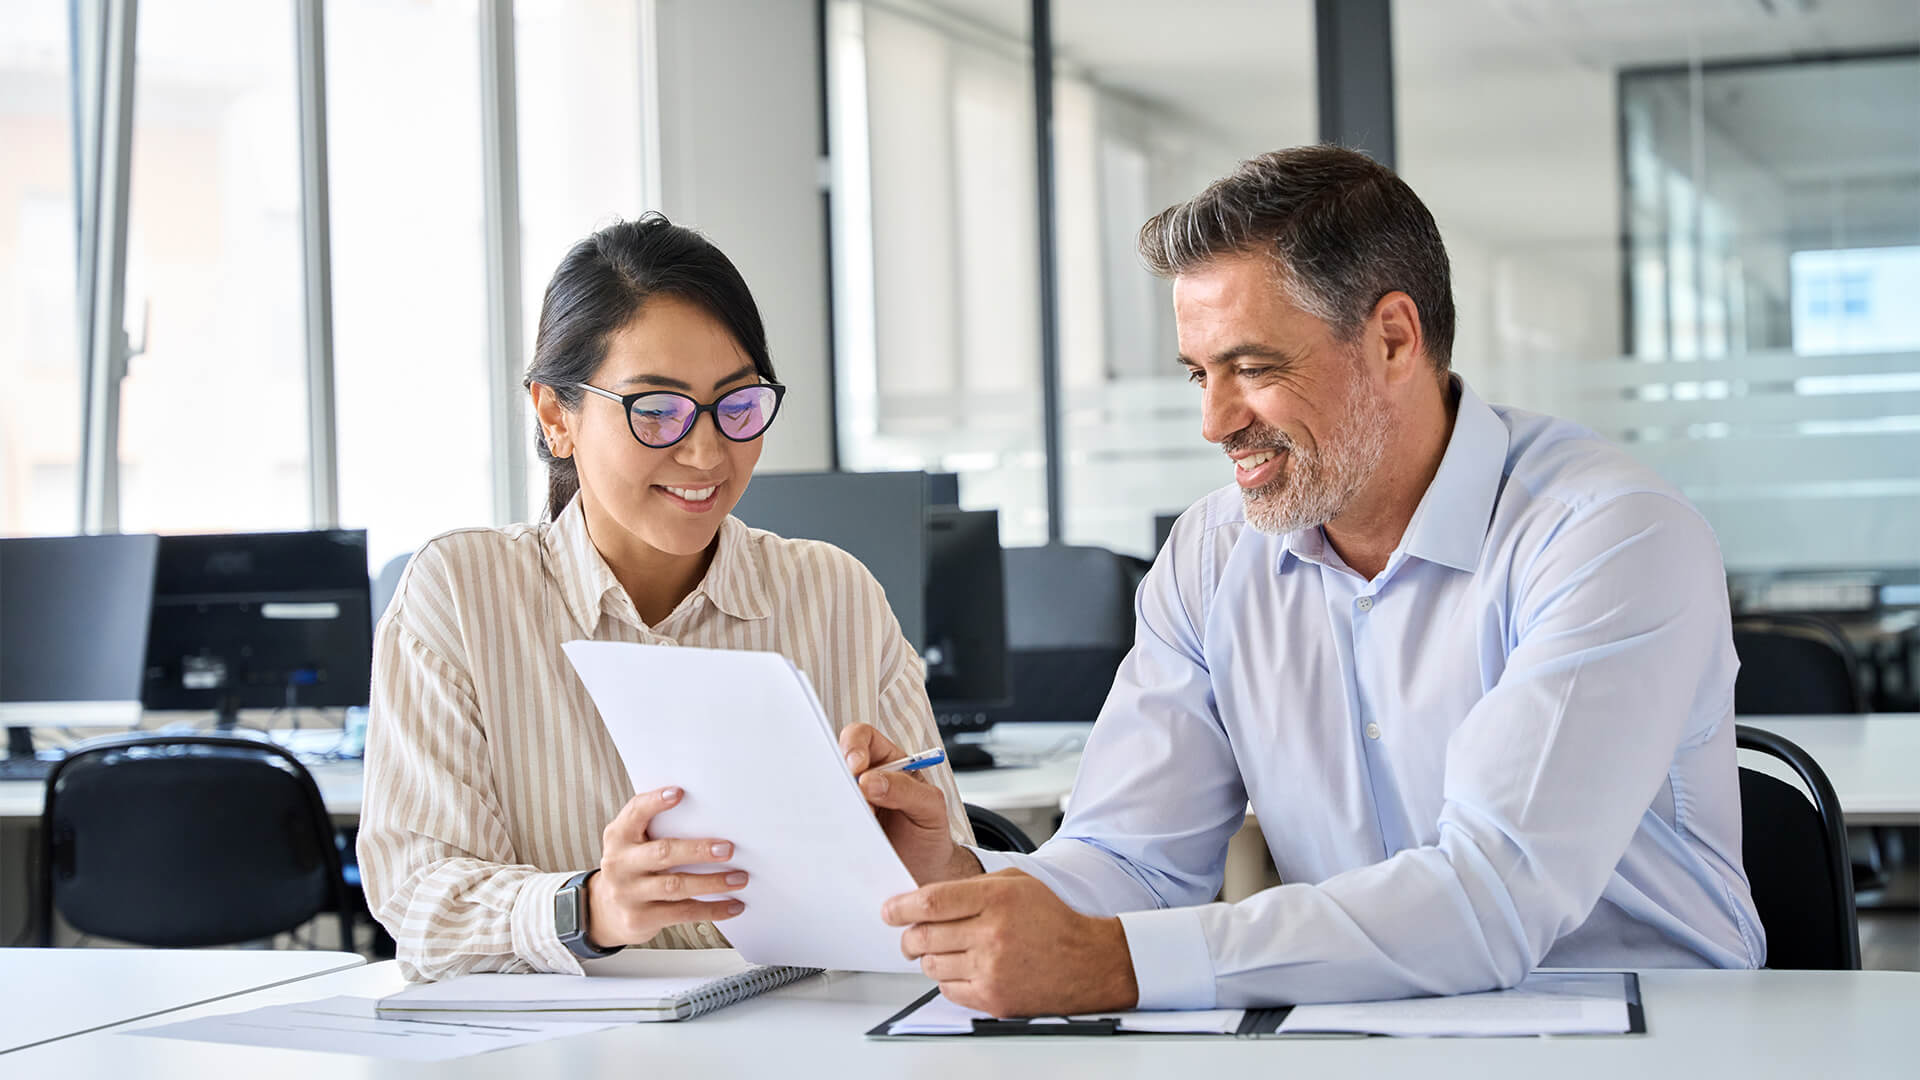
(1471, 666)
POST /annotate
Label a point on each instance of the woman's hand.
(635, 895)
(912, 812)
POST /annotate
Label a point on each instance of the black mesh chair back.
(996, 833)
(1796, 858)
(180, 841)
(1793, 665)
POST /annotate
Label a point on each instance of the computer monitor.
(260, 621)
(878, 518)
(73, 631)
(966, 649)
(943, 489)
(1162, 528)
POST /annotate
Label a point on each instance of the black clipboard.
(1257, 1024)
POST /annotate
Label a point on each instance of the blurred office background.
(277, 264)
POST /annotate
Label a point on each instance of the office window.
(40, 367)
(213, 432)
(935, 248)
(409, 269)
(580, 133)
(1658, 228)
(1147, 112)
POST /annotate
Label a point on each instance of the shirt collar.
(734, 583)
(1451, 522)
(1450, 525)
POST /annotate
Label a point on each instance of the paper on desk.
(940, 1016)
(349, 1025)
(1545, 1003)
(744, 736)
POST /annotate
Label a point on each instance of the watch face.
(566, 912)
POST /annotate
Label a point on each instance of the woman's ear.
(556, 423)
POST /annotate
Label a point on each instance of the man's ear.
(1396, 322)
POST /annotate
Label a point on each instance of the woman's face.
(671, 499)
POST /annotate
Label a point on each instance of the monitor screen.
(260, 621)
(966, 650)
(73, 628)
(878, 518)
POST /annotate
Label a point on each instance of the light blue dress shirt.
(1513, 748)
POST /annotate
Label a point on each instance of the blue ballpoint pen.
(913, 762)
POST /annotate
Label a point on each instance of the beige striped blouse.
(489, 774)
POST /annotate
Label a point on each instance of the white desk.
(48, 994)
(1761, 1024)
(1873, 761)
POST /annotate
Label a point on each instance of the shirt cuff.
(991, 861)
(535, 937)
(1171, 964)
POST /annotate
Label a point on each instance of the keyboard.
(25, 768)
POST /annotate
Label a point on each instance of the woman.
(492, 787)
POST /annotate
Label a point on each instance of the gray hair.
(1342, 229)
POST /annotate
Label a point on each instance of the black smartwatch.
(570, 918)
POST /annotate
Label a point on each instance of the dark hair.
(1343, 229)
(601, 286)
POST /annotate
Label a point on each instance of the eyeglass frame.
(626, 406)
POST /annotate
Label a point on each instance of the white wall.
(740, 161)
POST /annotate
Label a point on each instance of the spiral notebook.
(635, 985)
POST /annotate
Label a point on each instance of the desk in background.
(1753, 1024)
(49, 994)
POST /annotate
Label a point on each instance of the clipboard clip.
(1049, 1025)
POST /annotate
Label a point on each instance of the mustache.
(1256, 437)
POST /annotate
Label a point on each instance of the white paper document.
(349, 1025)
(939, 1016)
(744, 736)
(1545, 1003)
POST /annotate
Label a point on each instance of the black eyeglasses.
(660, 418)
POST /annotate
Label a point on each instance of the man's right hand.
(911, 811)
(636, 895)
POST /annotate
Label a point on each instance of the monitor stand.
(20, 742)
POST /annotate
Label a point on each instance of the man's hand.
(911, 811)
(1004, 944)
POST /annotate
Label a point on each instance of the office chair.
(1794, 665)
(1796, 858)
(386, 584)
(1069, 624)
(996, 833)
(178, 841)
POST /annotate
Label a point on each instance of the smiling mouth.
(1255, 460)
(692, 494)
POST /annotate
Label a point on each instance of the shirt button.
(1365, 603)
(1373, 731)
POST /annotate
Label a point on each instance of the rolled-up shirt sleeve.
(1546, 780)
(435, 856)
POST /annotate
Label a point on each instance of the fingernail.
(735, 907)
(669, 794)
(853, 759)
(721, 851)
(880, 784)
(736, 879)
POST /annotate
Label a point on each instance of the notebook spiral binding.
(720, 993)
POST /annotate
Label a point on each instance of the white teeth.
(1254, 461)
(693, 494)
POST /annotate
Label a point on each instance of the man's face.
(1298, 412)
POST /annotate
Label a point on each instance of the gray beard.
(1315, 486)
